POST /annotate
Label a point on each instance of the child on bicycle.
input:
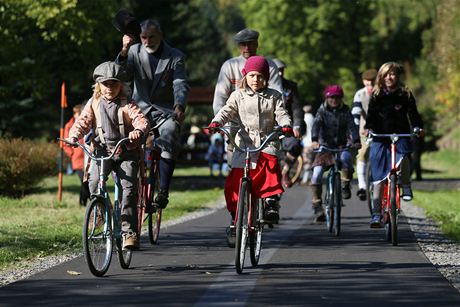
(392, 109)
(112, 118)
(258, 109)
(333, 127)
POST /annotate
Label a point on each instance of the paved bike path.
(301, 264)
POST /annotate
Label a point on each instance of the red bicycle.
(391, 202)
(249, 219)
(149, 185)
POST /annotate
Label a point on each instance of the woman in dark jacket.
(392, 109)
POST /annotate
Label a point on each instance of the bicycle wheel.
(369, 187)
(329, 201)
(242, 226)
(255, 236)
(393, 210)
(296, 169)
(97, 237)
(124, 255)
(385, 212)
(154, 215)
(338, 204)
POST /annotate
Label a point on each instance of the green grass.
(441, 164)
(38, 225)
(441, 205)
(444, 207)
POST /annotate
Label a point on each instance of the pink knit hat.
(333, 90)
(257, 63)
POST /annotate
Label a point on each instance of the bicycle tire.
(97, 236)
(393, 210)
(241, 226)
(255, 237)
(385, 212)
(154, 216)
(338, 205)
(329, 201)
(124, 255)
(296, 169)
(369, 187)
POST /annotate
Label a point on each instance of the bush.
(23, 163)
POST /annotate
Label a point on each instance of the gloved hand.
(287, 131)
(419, 132)
(212, 127)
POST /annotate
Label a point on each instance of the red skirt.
(266, 181)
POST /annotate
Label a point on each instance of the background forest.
(46, 42)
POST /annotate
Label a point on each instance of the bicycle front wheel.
(255, 237)
(393, 209)
(97, 237)
(329, 201)
(338, 204)
(242, 226)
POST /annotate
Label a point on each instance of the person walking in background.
(113, 117)
(77, 156)
(418, 146)
(392, 109)
(308, 154)
(333, 127)
(215, 154)
(258, 109)
(359, 112)
(291, 145)
(160, 87)
(230, 75)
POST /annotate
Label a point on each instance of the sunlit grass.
(38, 225)
(441, 164)
(444, 207)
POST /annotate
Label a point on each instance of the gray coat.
(162, 89)
(334, 127)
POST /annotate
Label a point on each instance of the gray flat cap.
(246, 35)
(109, 71)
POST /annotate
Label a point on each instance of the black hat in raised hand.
(125, 22)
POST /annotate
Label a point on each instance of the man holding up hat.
(160, 87)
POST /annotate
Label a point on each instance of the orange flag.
(63, 96)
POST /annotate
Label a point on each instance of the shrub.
(23, 163)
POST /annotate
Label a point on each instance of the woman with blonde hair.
(392, 109)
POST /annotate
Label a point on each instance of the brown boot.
(346, 178)
(316, 201)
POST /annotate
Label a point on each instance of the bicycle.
(250, 212)
(333, 197)
(391, 202)
(102, 222)
(150, 185)
(295, 166)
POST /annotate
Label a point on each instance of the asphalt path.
(301, 264)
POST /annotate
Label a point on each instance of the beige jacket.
(132, 116)
(257, 114)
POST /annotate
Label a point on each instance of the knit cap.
(257, 63)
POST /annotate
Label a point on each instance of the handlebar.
(276, 132)
(394, 136)
(163, 119)
(89, 154)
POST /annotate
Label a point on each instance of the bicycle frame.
(333, 197)
(391, 202)
(248, 227)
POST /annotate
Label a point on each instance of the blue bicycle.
(102, 222)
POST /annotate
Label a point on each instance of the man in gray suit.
(160, 87)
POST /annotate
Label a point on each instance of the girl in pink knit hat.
(258, 109)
